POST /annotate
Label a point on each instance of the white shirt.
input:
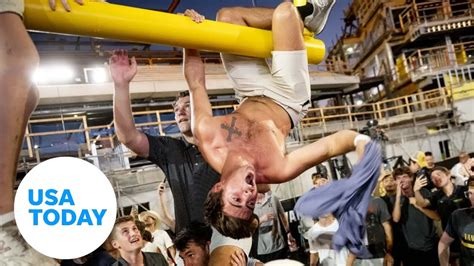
(460, 179)
(163, 241)
(320, 241)
(150, 247)
(218, 240)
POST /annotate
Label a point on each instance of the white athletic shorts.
(12, 6)
(286, 82)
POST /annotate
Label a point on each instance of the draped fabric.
(348, 200)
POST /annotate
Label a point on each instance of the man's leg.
(287, 28)
(314, 15)
(18, 60)
(257, 17)
(19, 97)
(283, 21)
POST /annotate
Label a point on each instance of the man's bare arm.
(122, 72)
(165, 215)
(201, 110)
(419, 184)
(433, 215)
(203, 125)
(443, 249)
(397, 209)
(313, 259)
(315, 153)
(388, 259)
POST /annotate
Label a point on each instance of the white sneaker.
(14, 251)
(321, 9)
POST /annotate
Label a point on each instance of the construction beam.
(111, 21)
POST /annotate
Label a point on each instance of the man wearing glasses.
(460, 226)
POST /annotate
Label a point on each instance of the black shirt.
(461, 226)
(377, 214)
(99, 257)
(445, 205)
(418, 229)
(149, 259)
(189, 175)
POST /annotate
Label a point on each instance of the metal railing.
(354, 116)
(434, 11)
(350, 116)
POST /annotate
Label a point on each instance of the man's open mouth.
(249, 179)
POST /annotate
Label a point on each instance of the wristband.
(359, 138)
(5, 218)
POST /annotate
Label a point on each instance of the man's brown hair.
(181, 94)
(121, 220)
(401, 171)
(227, 225)
(442, 169)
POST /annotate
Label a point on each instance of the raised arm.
(194, 73)
(165, 215)
(122, 71)
(419, 184)
(200, 106)
(397, 212)
(303, 158)
(433, 215)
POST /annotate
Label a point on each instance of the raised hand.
(238, 258)
(121, 68)
(52, 4)
(134, 212)
(161, 188)
(399, 188)
(419, 183)
(195, 16)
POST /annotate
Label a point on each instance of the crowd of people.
(410, 221)
(407, 223)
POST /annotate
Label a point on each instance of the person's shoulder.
(155, 259)
(159, 137)
(378, 200)
(222, 255)
(460, 189)
(119, 262)
(460, 213)
(160, 232)
(167, 140)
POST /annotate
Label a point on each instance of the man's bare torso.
(258, 128)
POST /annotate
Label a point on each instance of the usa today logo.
(65, 208)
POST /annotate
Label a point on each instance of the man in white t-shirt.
(462, 170)
(160, 237)
(320, 243)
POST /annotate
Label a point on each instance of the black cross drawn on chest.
(232, 129)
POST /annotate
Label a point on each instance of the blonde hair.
(143, 215)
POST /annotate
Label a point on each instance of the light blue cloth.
(348, 200)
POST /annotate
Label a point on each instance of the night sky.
(209, 8)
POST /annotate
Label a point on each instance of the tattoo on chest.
(231, 129)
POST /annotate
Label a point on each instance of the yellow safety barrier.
(105, 20)
(299, 2)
